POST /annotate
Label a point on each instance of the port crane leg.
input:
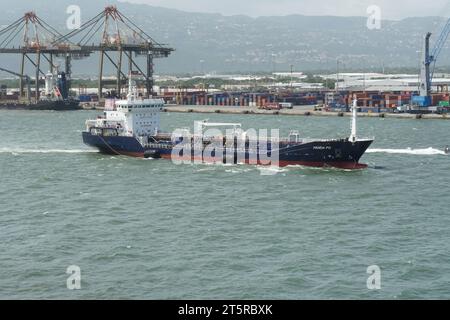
(100, 75)
(119, 74)
(51, 63)
(118, 68)
(22, 71)
(149, 76)
(51, 67)
(130, 61)
(69, 71)
(38, 63)
(133, 64)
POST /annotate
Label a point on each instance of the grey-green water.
(148, 229)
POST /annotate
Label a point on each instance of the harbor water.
(150, 229)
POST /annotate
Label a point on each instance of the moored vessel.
(54, 98)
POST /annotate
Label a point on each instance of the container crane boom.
(439, 45)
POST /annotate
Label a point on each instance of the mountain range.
(214, 42)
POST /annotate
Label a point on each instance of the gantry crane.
(108, 33)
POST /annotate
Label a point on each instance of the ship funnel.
(353, 137)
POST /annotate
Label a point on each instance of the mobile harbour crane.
(428, 65)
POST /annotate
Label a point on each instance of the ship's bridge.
(140, 105)
(141, 116)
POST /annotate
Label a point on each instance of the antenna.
(132, 87)
(353, 137)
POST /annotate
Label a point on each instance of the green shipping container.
(444, 104)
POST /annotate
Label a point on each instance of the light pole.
(365, 63)
(337, 75)
(364, 81)
(273, 62)
(201, 66)
(292, 76)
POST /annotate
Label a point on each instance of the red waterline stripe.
(339, 165)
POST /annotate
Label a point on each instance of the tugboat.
(131, 127)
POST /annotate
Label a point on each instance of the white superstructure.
(131, 117)
(49, 84)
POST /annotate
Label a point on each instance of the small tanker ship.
(131, 127)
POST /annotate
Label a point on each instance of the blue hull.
(331, 153)
(114, 145)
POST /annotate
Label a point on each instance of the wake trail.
(44, 151)
(420, 152)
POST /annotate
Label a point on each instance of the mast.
(132, 89)
(353, 137)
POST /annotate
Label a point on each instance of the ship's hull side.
(333, 153)
(62, 105)
(341, 154)
(115, 145)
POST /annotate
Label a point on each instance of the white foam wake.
(44, 151)
(421, 152)
(270, 170)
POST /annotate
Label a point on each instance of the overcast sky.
(391, 9)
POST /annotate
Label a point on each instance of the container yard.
(298, 111)
(325, 101)
(242, 99)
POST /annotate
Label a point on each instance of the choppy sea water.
(149, 229)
